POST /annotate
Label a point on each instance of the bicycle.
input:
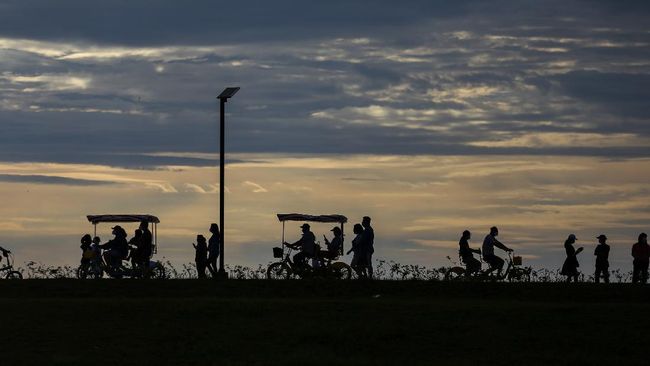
(9, 268)
(513, 272)
(286, 268)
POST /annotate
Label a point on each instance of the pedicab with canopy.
(96, 269)
(321, 267)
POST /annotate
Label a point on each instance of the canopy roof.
(96, 219)
(313, 218)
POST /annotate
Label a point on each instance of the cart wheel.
(158, 272)
(454, 273)
(341, 271)
(82, 272)
(278, 271)
(14, 275)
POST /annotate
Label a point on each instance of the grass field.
(192, 322)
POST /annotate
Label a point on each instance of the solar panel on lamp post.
(223, 98)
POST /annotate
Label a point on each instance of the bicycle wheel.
(519, 275)
(14, 275)
(278, 271)
(454, 273)
(341, 271)
(158, 272)
(82, 272)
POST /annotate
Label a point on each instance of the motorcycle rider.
(489, 243)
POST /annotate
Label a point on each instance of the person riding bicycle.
(334, 246)
(306, 244)
(489, 243)
(472, 265)
(117, 249)
(5, 253)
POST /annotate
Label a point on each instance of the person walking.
(368, 243)
(213, 249)
(570, 266)
(602, 259)
(201, 255)
(641, 254)
(359, 258)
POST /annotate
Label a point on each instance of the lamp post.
(223, 98)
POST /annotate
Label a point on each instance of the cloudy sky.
(430, 116)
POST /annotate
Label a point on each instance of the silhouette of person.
(570, 266)
(602, 259)
(368, 243)
(86, 253)
(135, 248)
(641, 255)
(306, 244)
(359, 258)
(213, 249)
(472, 264)
(117, 248)
(201, 255)
(146, 248)
(334, 246)
(489, 243)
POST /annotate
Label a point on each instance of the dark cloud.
(123, 80)
(50, 179)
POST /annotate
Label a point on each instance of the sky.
(432, 117)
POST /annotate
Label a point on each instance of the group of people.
(640, 254)
(362, 247)
(640, 262)
(138, 249)
(207, 252)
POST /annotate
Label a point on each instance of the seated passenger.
(333, 247)
(306, 244)
(472, 265)
(117, 249)
(86, 253)
(135, 251)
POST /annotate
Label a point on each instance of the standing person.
(602, 259)
(146, 248)
(641, 254)
(86, 253)
(368, 243)
(570, 266)
(213, 249)
(472, 265)
(359, 258)
(201, 255)
(489, 243)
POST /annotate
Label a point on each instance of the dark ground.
(191, 322)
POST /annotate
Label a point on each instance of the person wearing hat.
(306, 245)
(602, 259)
(213, 249)
(570, 266)
(641, 254)
(334, 246)
(116, 249)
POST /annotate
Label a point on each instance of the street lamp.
(223, 98)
